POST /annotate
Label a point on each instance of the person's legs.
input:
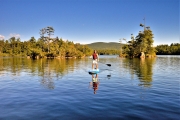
(96, 65)
(96, 76)
(93, 62)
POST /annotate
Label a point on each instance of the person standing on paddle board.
(95, 59)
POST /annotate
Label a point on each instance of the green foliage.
(44, 46)
(103, 48)
(47, 39)
(84, 49)
(2, 46)
(34, 48)
(108, 52)
(15, 46)
(173, 49)
(142, 43)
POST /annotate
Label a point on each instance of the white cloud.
(15, 35)
(1, 37)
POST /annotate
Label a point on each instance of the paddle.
(106, 64)
(102, 63)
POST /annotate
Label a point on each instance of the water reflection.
(143, 68)
(45, 69)
(47, 82)
(70, 82)
(94, 84)
(108, 76)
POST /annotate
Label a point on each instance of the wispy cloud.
(1, 37)
(15, 35)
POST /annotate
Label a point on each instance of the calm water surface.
(63, 89)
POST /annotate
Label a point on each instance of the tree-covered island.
(142, 46)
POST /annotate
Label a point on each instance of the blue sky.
(87, 21)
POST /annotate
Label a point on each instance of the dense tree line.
(33, 48)
(173, 49)
(103, 48)
(43, 47)
(108, 52)
(105, 45)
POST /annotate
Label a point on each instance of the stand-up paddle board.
(94, 71)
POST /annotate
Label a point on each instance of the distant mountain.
(103, 46)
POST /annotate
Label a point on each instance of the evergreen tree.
(47, 39)
(142, 43)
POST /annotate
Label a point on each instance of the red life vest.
(94, 56)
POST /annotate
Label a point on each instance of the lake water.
(63, 89)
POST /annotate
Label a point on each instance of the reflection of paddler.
(94, 83)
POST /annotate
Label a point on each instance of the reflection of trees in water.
(45, 72)
(53, 68)
(47, 82)
(1, 65)
(48, 69)
(14, 65)
(143, 68)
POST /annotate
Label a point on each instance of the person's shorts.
(94, 61)
(94, 80)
